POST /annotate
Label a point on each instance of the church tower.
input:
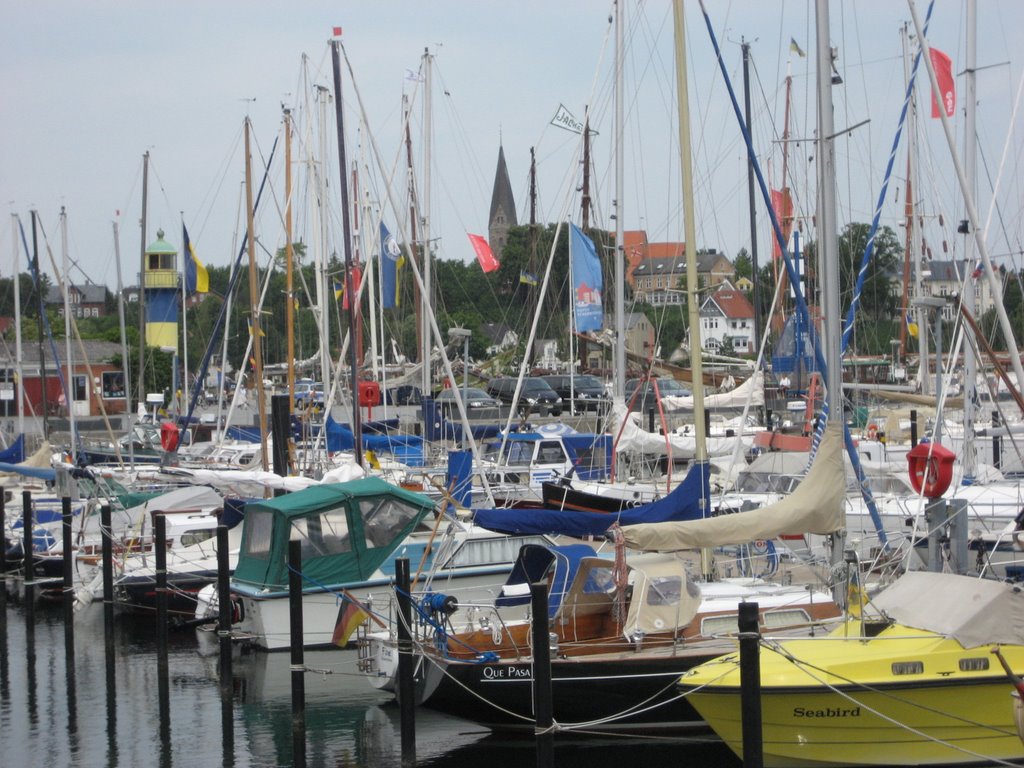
(503, 207)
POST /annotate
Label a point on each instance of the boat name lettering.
(508, 673)
(827, 712)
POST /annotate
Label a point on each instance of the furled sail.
(816, 506)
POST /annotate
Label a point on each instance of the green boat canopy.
(347, 530)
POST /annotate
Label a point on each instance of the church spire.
(503, 207)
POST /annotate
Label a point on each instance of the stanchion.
(298, 657)
(406, 662)
(750, 685)
(542, 706)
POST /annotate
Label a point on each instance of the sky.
(89, 87)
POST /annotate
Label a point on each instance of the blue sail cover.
(682, 504)
(16, 453)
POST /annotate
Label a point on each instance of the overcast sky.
(88, 87)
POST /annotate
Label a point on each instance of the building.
(727, 316)
(85, 300)
(656, 272)
(500, 336)
(945, 278)
(503, 208)
(90, 382)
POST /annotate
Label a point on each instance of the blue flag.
(391, 260)
(587, 281)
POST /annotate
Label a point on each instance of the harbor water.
(61, 709)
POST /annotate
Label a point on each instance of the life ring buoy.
(872, 431)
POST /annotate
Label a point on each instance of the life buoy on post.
(931, 469)
(169, 436)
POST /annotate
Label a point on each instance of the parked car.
(476, 400)
(308, 392)
(535, 395)
(582, 392)
(646, 399)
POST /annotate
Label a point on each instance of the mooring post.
(406, 663)
(997, 442)
(3, 569)
(298, 658)
(26, 551)
(750, 685)
(225, 609)
(542, 706)
(68, 563)
(108, 577)
(913, 428)
(160, 555)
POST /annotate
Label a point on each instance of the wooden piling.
(298, 657)
(750, 685)
(542, 705)
(406, 663)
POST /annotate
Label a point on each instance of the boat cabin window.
(908, 667)
(196, 537)
(323, 534)
(664, 590)
(977, 664)
(503, 549)
(383, 519)
(258, 527)
(785, 618)
(518, 452)
(550, 452)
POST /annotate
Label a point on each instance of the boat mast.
(700, 455)
(254, 303)
(745, 46)
(970, 387)
(828, 241)
(37, 282)
(19, 368)
(289, 258)
(346, 227)
(427, 297)
(142, 277)
(66, 290)
(619, 377)
(129, 416)
(421, 321)
(322, 289)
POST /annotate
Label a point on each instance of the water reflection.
(128, 721)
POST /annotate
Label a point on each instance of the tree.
(743, 265)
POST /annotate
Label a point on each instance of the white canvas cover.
(816, 506)
(752, 389)
(684, 446)
(973, 611)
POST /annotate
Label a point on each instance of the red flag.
(337, 31)
(944, 75)
(483, 253)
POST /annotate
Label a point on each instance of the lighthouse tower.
(160, 281)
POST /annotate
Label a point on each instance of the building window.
(112, 385)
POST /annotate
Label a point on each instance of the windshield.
(535, 386)
(588, 381)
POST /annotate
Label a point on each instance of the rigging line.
(214, 193)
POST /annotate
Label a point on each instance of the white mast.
(426, 298)
(700, 456)
(619, 377)
(18, 366)
(970, 164)
(129, 415)
(69, 380)
(828, 243)
(320, 225)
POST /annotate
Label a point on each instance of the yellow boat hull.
(902, 698)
